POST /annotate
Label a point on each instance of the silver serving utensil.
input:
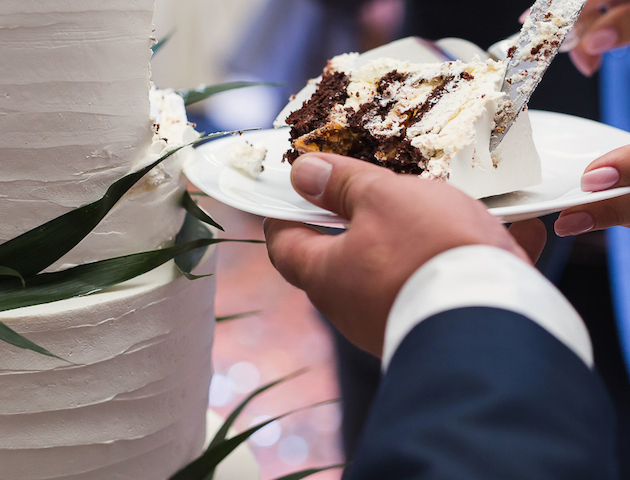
(538, 43)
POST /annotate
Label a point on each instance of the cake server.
(537, 45)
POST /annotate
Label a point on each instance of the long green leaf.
(92, 277)
(14, 338)
(198, 194)
(309, 472)
(192, 229)
(39, 248)
(9, 272)
(203, 467)
(238, 315)
(85, 279)
(163, 41)
(195, 210)
(223, 431)
(202, 92)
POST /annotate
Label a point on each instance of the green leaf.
(163, 41)
(82, 280)
(198, 194)
(223, 431)
(203, 92)
(309, 472)
(92, 277)
(195, 210)
(238, 315)
(203, 467)
(14, 338)
(9, 272)
(192, 229)
(39, 248)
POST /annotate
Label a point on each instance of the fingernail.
(600, 179)
(310, 175)
(581, 63)
(570, 42)
(524, 15)
(574, 224)
(601, 41)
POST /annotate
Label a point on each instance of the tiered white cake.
(74, 117)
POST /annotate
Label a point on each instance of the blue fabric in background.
(615, 109)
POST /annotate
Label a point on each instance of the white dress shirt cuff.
(484, 276)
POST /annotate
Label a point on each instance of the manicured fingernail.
(601, 41)
(524, 15)
(574, 224)
(600, 179)
(310, 175)
(570, 42)
(581, 63)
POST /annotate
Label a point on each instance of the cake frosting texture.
(75, 116)
(431, 119)
(77, 113)
(134, 403)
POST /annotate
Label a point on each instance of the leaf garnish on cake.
(236, 316)
(203, 467)
(309, 472)
(24, 257)
(9, 272)
(9, 336)
(203, 92)
(196, 211)
(223, 431)
(163, 41)
(25, 253)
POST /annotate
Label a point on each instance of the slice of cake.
(432, 119)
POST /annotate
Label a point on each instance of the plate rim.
(505, 213)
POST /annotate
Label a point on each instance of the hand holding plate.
(609, 171)
(396, 224)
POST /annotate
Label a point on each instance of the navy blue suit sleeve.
(482, 394)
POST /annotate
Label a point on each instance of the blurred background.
(289, 41)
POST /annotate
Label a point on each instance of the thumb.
(334, 182)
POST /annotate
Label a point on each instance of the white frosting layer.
(134, 405)
(75, 117)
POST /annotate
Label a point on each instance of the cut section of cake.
(432, 119)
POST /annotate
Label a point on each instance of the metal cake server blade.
(538, 43)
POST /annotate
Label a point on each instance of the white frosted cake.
(429, 119)
(75, 116)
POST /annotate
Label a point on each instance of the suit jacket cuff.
(484, 276)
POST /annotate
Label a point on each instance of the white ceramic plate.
(566, 145)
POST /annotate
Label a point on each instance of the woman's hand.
(602, 26)
(610, 170)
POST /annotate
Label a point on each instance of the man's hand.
(396, 223)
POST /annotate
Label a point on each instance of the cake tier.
(75, 117)
(133, 403)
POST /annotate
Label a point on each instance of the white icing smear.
(247, 158)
